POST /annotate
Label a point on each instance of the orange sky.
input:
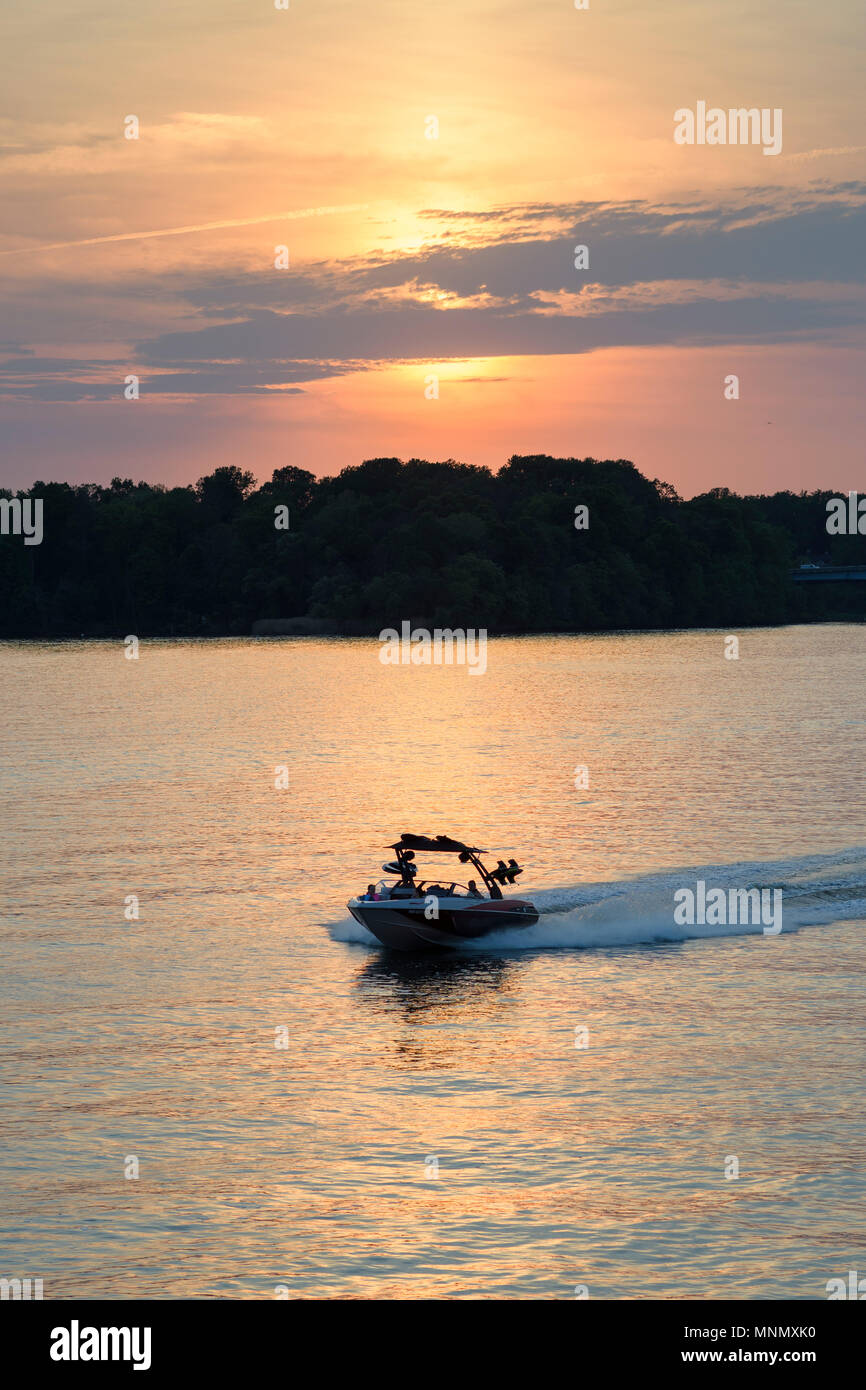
(453, 256)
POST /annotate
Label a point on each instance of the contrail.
(180, 231)
(816, 154)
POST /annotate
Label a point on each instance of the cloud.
(772, 267)
(826, 154)
(634, 243)
(295, 215)
(426, 334)
(65, 379)
(73, 148)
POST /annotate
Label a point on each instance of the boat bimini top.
(408, 845)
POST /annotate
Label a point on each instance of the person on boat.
(371, 896)
(472, 889)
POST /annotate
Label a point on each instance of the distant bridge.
(829, 574)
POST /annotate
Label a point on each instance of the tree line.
(442, 544)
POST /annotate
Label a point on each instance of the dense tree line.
(442, 544)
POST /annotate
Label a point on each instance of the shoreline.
(273, 629)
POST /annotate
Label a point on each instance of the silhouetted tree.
(448, 543)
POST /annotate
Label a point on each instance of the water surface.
(311, 1166)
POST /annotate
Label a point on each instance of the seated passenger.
(472, 888)
(371, 896)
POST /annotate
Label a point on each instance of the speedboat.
(411, 913)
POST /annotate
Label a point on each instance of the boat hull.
(406, 927)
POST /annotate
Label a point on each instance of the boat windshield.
(422, 888)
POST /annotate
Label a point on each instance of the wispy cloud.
(293, 215)
(826, 154)
(767, 267)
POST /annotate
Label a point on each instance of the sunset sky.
(412, 256)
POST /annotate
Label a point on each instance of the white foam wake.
(816, 890)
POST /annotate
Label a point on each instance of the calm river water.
(308, 1113)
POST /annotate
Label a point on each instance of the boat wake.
(816, 891)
